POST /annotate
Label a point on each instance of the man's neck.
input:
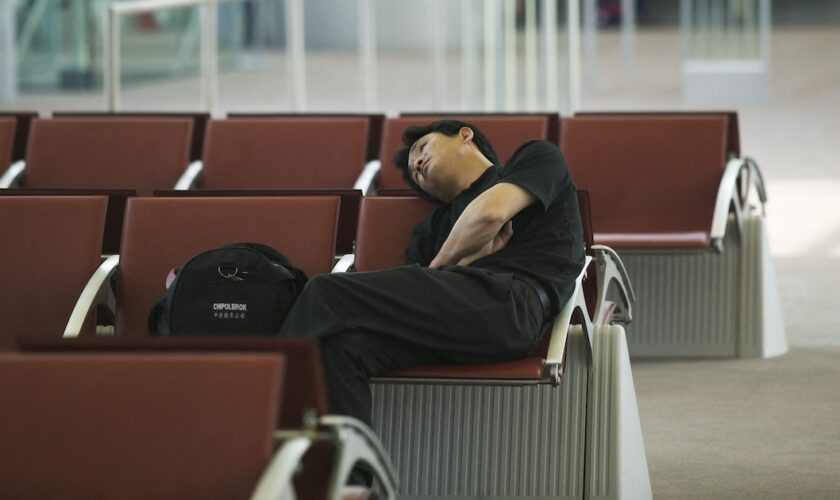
(472, 168)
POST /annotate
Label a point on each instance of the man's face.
(431, 161)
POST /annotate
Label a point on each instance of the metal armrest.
(344, 263)
(95, 292)
(368, 176)
(13, 175)
(358, 443)
(729, 196)
(611, 271)
(189, 179)
(560, 328)
(276, 480)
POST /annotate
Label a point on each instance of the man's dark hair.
(446, 127)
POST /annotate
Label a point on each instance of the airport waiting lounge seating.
(321, 448)
(134, 426)
(160, 234)
(51, 245)
(142, 154)
(686, 214)
(198, 119)
(505, 133)
(561, 423)
(281, 153)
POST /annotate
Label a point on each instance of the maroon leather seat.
(653, 180)
(51, 246)
(284, 153)
(7, 141)
(137, 426)
(199, 123)
(162, 233)
(348, 215)
(142, 154)
(23, 120)
(733, 134)
(375, 122)
(505, 133)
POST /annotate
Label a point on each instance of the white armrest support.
(276, 480)
(344, 263)
(729, 196)
(367, 178)
(358, 443)
(96, 291)
(611, 271)
(189, 179)
(13, 175)
(560, 329)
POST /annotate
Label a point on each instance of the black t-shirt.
(547, 241)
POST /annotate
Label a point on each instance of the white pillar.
(573, 84)
(437, 32)
(628, 32)
(367, 53)
(549, 34)
(531, 73)
(469, 55)
(210, 58)
(8, 60)
(296, 53)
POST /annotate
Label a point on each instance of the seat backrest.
(23, 120)
(166, 426)
(375, 122)
(51, 246)
(385, 225)
(284, 153)
(733, 134)
(647, 175)
(117, 199)
(142, 154)
(305, 390)
(552, 119)
(7, 141)
(348, 214)
(505, 133)
(160, 234)
(199, 123)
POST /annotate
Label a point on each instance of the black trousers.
(370, 323)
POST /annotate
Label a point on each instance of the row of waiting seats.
(670, 192)
(550, 390)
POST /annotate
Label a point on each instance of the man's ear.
(466, 134)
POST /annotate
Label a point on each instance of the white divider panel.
(488, 439)
(616, 460)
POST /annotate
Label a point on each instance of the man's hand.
(499, 242)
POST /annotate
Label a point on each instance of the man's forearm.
(472, 232)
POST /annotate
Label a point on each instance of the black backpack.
(237, 289)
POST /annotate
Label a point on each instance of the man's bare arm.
(482, 228)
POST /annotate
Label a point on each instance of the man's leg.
(352, 357)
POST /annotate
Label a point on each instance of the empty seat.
(117, 199)
(375, 122)
(505, 133)
(302, 405)
(142, 154)
(494, 412)
(160, 234)
(670, 196)
(51, 245)
(284, 153)
(137, 426)
(733, 136)
(348, 215)
(199, 123)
